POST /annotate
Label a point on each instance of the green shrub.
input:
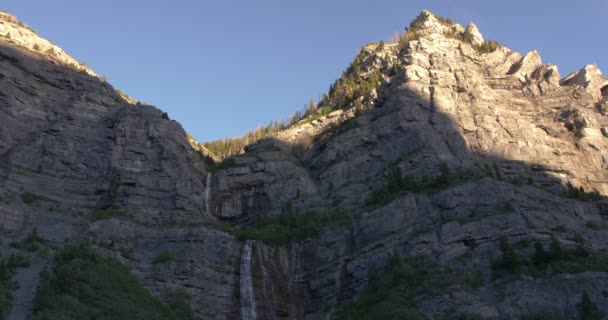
(84, 285)
(164, 257)
(488, 46)
(509, 262)
(406, 38)
(36, 47)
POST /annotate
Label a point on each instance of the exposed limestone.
(472, 33)
(590, 78)
(14, 31)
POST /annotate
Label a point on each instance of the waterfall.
(251, 197)
(266, 284)
(248, 310)
(295, 264)
(208, 193)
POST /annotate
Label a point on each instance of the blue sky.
(223, 67)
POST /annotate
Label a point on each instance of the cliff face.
(484, 140)
(443, 101)
(83, 154)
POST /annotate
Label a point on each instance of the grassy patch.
(30, 198)
(163, 257)
(225, 164)
(84, 285)
(392, 295)
(452, 314)
(6, 295)
(543, 315)
(8, 268)
(17, 260)
(108, 213)
(31, 243)
(589, 311)
(178, 301)
(290, 226)
(460, 219)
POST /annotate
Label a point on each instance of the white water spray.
(266, 284)
(208, 192)
(248, 309)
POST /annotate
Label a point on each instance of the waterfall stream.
(266, 284)
(248, 309)
(208, 192)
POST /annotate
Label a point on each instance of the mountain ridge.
(443, 151)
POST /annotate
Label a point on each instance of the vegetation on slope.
(580, 193)
(84, 285)
(560, 260)
(396, 184)
(290, 226)
(344, 93)
(394, 293)
(8, 268)
(355, 83)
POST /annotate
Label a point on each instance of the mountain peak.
(429, 20)
(428, 23)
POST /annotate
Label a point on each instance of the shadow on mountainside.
(350, 159)
(483, 197)
(69, 140)
(72, 139)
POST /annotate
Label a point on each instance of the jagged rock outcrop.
(80, 163)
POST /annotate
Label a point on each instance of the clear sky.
(221, 67)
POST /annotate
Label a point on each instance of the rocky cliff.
(482, 160)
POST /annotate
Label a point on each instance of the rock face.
(105, 171)
(16, 32)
